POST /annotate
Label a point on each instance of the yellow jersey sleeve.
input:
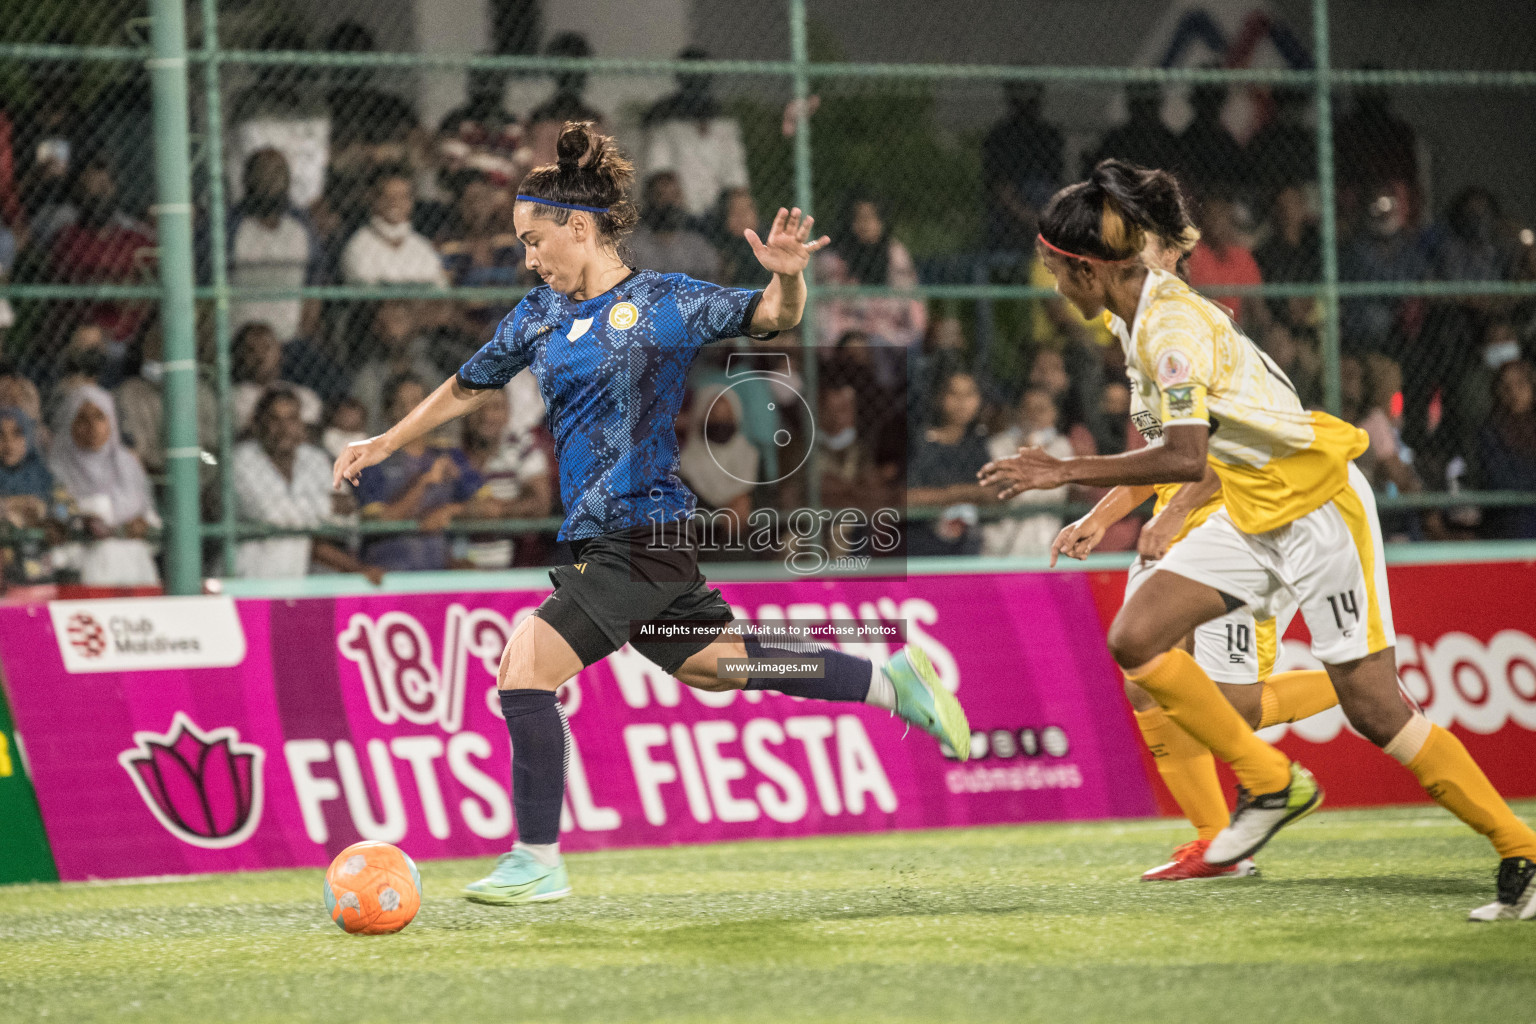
(1176, 346)
(1277, 460)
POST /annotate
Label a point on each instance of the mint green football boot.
(519, 878)
(922, 700)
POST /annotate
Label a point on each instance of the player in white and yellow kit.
(1298, 519)
(1237, 650)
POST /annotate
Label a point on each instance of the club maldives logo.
(148, 633)
(86, 635)
(204, 787)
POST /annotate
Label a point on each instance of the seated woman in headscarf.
(27, 494)
(717, 460)
(109, 488)
(26, 486)
(18, 392)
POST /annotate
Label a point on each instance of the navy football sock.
(540, 751)
(846, 678)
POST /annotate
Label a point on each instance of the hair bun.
(573, 145)
(588, 170)
(1117, 176)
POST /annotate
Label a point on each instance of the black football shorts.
(620, 581)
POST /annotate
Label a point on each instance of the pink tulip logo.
(204, 787)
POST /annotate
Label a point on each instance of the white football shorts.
(1241, 646)
(1328, 565)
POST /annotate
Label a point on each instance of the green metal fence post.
(168, 76)
(213, 124)
(799, 53)
(1332, 400)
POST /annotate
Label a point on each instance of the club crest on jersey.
(1173, 368)
(1181, 401)
(623, 316)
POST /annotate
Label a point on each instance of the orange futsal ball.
(372, 889)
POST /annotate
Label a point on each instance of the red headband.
(1076, 256)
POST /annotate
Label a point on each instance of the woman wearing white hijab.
(110, 490)
(717, 461)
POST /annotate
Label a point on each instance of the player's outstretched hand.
(1076, 540)
(1030, 470)
(787, 249)
(1157, 535)
(356, 457)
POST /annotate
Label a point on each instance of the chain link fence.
(347, 242)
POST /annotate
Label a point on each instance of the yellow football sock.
(1448, 773)
(1292, 696)
(1184, 690)
(1188, 770)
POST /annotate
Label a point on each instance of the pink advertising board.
(178, 735)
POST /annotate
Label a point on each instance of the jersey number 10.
(1239, 643)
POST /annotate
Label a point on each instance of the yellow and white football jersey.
(1150, 426)
(1188, 363)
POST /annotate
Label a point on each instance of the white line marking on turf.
(1429, 817)
(149, 879)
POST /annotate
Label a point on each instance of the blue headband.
(564, 206)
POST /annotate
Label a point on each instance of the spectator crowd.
(340, 182)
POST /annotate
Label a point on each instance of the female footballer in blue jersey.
(610, 347)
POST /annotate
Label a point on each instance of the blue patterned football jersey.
(613, 371)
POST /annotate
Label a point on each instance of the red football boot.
(1189, 864)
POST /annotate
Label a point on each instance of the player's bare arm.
(1078, 539)
(786, 252)
(1158, 533)
(1179, 459)
(450, 401)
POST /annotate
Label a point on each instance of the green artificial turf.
(1359, 916)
